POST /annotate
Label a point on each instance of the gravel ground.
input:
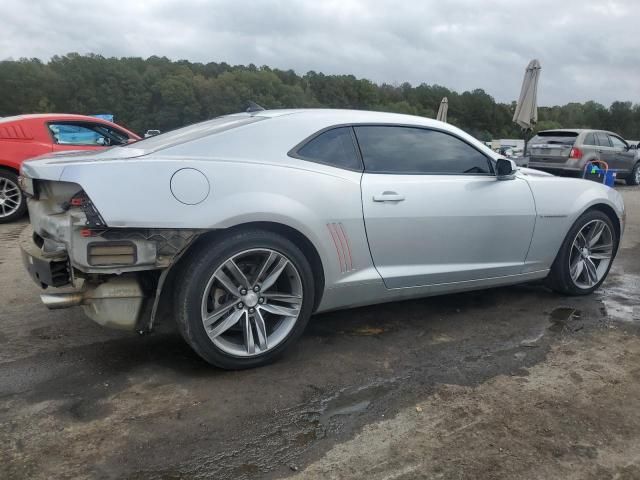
(505, 383)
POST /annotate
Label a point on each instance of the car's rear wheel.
(244, 298)
(634, 177)
(13, 204)
(586, 255)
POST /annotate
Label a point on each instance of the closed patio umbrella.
(442, 110)
(526, 114)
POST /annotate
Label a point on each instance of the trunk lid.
(551, 146)
(51, 165)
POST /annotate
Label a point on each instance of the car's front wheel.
(585, 257)
(13, 204)
(244, 298)
(634, 177)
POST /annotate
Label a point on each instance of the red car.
(27, 136)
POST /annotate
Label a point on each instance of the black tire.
(22, 206)
(632, 179)
(559, 278)
(200, 265)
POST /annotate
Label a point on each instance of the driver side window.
(411, 150)
(85, 134)
(617, 143)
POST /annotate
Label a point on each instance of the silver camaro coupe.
(240, 227)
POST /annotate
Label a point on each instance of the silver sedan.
(240, 227)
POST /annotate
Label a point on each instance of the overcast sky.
(588, 49)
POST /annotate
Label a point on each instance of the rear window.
(554, 138)
(193, 132)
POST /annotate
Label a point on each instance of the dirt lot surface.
(506, 383)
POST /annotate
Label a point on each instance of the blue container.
(595, 172)
(610, 178)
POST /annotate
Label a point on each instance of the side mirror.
(505, 169)
(101, 141)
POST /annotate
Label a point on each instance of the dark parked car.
(569, 150)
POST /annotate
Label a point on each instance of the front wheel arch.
(613, 216)
(9, 169)
(559, 278)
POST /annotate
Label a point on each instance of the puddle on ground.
(353, 401)
(618, 311)
(564, 319)
(347, 409)
(533, 342)
(621, 300)
(565, 314)
(305, 438)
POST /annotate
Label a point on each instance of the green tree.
(157, 92)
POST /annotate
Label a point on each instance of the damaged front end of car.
(117, 275)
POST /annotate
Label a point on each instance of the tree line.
(160, 93)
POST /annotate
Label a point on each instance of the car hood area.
(531, 172)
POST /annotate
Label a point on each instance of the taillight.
(575, 153)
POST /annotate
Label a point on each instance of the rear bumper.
(569, 165)
(46, 270)
(117, 301)
(555, 167)
(110, 272)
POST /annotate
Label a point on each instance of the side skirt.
(370, 293)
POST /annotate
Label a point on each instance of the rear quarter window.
(335, 147)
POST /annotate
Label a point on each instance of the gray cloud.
(588, 50)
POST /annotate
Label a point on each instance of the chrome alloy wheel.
(252, 302)
(10, 197)
(591, 254)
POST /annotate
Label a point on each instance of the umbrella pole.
(526, 140)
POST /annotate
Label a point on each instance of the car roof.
(334, 115)
(572, 130)
(51, 116)
(297, 125)
(579, 131)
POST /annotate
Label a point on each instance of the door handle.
(388, 197)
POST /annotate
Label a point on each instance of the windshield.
(193, 132)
